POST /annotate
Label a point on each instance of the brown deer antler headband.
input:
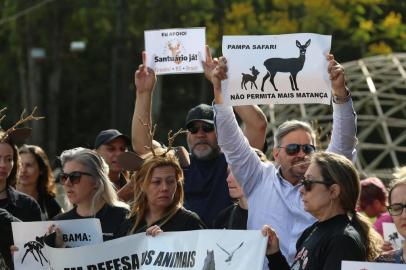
(14, 134)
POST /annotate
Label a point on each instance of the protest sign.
(29, 238)
(349, 265)
(174, 51)
(277, 69)
(201, 249)
(391, 235)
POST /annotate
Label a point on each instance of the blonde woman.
(87, 185)
(158, 197)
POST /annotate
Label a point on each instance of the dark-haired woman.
(36, 179)
(330, 190)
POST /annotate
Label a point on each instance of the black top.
(6, 236)
(206, 191)
(111, 217)
(183, 220)
(21, 206)
(233, 218)
(323, 246)
(49, 206)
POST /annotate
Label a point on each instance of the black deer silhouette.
(249, 78)
(291, 65)
(35, 247)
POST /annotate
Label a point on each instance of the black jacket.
(22, 206)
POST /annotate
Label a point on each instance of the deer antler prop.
(22, 120)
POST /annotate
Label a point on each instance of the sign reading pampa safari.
(277, 69)
(174, 51)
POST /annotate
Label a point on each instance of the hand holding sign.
(219, 74)
(144, 77)
(273, 241)
(337, 78)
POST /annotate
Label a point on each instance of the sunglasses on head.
(396, 209)
(206, 127)
(74, 177)
(294, 148)
(308, 183)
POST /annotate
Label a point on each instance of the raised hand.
(210, 64)
(144, 77)
(337, 78)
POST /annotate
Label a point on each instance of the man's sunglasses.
(308, 184)
(74, 177)
(206, 127)
(396, 209)
(294, 148)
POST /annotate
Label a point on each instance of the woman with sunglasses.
(36, 179)
(87, 185)
(330, 190)
(158, 197)
(397, 209)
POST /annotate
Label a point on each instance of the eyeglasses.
(74, 177)
(294, 148)
(206, 127)
(396, 209)
(308, 183)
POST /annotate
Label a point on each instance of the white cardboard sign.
(174, 51)
(29, 238)
(349, 265)
(391, 235)
(277, 69)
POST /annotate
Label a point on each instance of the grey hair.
(99, 169)
(291, 125)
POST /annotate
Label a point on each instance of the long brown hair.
(142, 179)
(337, 169)
(46, 180)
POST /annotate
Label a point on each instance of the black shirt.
(21, 206)
(183, 220)
(6, 235)
(233, 218)
(111, 217)
(49, 206)
(323, 246)
(206, 191)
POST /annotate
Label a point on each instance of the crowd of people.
(310, 203)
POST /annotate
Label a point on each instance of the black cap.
(202, 112)
(108, 135)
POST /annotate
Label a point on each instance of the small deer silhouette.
(249, 78)
(291, 65)
(175, 51)
(209, 263)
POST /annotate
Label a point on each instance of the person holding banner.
(87, 185)
(330, 189)
(205, 188)
(396, 208)
(273, 190)
(36, 179)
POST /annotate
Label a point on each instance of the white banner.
(174, 51)
(391, 235)
(277, 69)
(29, 238)
(201, 249)
(349, 265)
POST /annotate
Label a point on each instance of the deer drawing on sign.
(249, 78)
(289, 65)
(175, 51)
(35, 247)
(209, 261)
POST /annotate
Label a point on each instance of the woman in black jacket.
(330, 190)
